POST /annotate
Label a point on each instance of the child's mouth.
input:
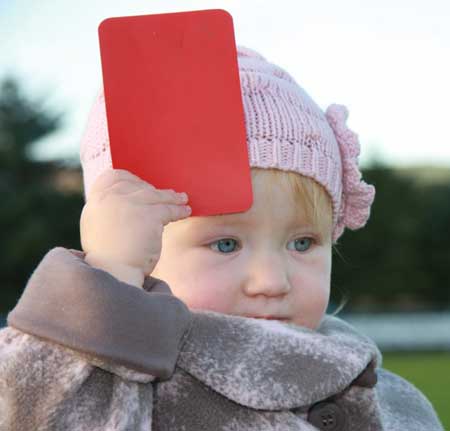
(282, 319)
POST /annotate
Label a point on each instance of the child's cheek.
(310, 295)
(209, 294)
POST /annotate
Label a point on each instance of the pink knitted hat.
(285, 130)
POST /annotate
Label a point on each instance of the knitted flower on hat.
(357, 196)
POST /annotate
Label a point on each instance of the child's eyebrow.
(221, 223)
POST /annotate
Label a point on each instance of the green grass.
(429, 372)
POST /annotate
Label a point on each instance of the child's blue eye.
(225, 245)
(303, 244)
(228, 245)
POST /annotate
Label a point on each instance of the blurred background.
(388, 62)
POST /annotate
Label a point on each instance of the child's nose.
(266, 277)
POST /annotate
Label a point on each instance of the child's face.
(258, 264)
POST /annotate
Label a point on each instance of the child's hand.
(122, 222)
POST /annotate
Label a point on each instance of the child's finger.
(121, 187)
(151, 197)
(173, 197)
(110, 177)
(170, 213)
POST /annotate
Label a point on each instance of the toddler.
(171, 322)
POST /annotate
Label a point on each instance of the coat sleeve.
(82, 349)
(403, 406)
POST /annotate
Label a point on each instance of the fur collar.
(273, 365)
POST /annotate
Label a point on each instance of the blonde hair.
(309, 197)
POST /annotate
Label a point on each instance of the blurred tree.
(399, 260)
(433, 242)
(35, 216)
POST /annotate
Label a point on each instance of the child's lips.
(284, 319)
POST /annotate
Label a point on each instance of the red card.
(174, 106)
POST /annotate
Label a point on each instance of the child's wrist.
(125, 273)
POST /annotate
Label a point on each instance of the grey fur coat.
(84, 351)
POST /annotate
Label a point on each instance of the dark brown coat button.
(327, 416)
(368, 378)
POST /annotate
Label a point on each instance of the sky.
(388, 61)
